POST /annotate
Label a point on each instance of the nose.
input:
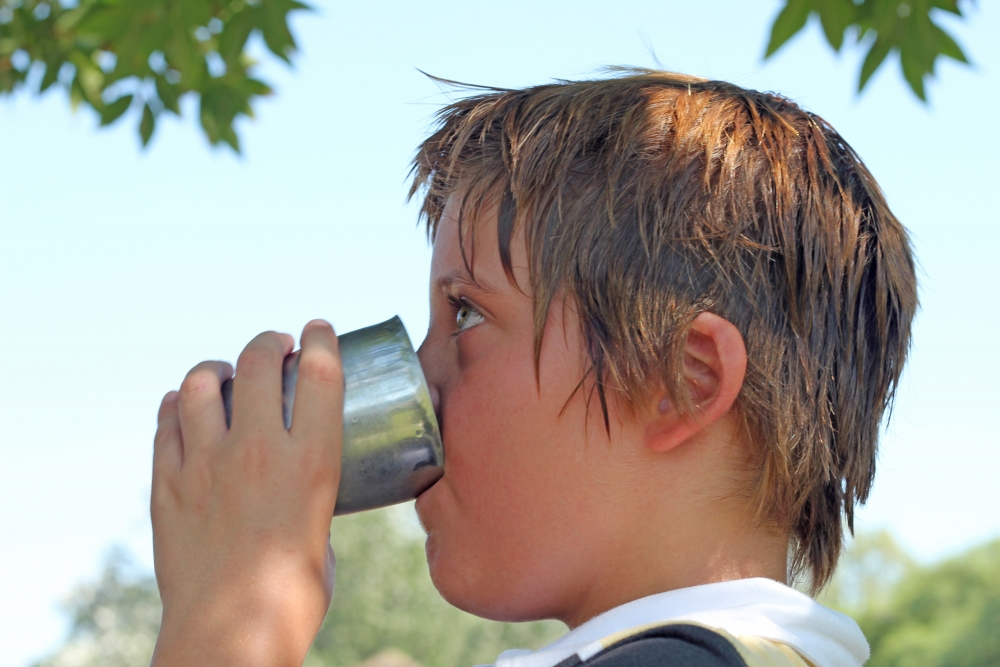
(427, 364)
(435, 399)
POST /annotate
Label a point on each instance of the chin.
(482, 587)
(479, 577)
(421, 508)
(432, 508)
(475, 600)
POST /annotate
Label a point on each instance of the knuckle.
(162, 438)
(257, 358)
(255, 460)
(162, 500)
(324, 369)
(199, 380)
(319, 464)
(159, 502)
(167, 433)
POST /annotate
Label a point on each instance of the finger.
(318, 414)
(257, 385)
(168, 447)
(202, 417)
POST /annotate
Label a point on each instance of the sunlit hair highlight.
(650, 197)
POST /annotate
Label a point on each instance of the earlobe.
(715, 362)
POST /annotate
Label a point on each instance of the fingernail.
(665, 406)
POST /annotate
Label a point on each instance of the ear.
(715, 363)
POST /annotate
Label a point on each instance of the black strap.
(672, 645)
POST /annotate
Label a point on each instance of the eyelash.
(457, 303)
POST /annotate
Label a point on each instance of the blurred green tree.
(144, 55)
(944, 615)
(903, 27)
(868, 572)
(114, 621)
(384, 598)
(947, 615)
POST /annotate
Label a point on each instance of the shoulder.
(666, 646)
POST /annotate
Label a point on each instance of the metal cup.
(392, 446)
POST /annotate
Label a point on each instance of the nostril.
(423, 355)
(435, 400)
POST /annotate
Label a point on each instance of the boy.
(667, 315)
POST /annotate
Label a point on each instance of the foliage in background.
(902, 27)
(144, 55)
(946, 615)
(114, 620)
(943, 615)
(867, 574)
(383, 598)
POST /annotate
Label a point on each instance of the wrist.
(260, 625)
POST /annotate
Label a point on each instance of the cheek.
(509, 523)
(485, 424)
(515, 459)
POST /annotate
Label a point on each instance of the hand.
(241, 516)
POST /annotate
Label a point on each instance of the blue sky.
(121, 268)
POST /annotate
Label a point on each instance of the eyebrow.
(452, 279)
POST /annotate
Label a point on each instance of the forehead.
(482, 253)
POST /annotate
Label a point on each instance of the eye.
(466, 316)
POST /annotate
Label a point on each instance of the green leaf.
(272, 19)
(132, 30)
(234, 36)
(913, 72)
(90, 77)
(169, 94)
(256, 87)
(228, 135)
(147, 125)
(76, 94)
(950, 6)
(7, 82)
(51, 75)
(106, 21)
(836, 16)
(791, 19)
(949, 47)
(114, 111)
(68, 20)
(190, 13)
(876, 55)
(184, 55)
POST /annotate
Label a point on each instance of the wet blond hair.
(649, 197)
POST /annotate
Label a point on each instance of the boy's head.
(626, 241)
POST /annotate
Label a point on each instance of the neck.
(690, 525)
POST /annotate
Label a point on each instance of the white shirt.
(757, 607)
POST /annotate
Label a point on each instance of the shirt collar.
(756, 607)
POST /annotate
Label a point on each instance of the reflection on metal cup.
(392, 446)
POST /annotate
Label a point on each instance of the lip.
(444, 470)
(436, 405)
(423, 508)
(444, 447)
